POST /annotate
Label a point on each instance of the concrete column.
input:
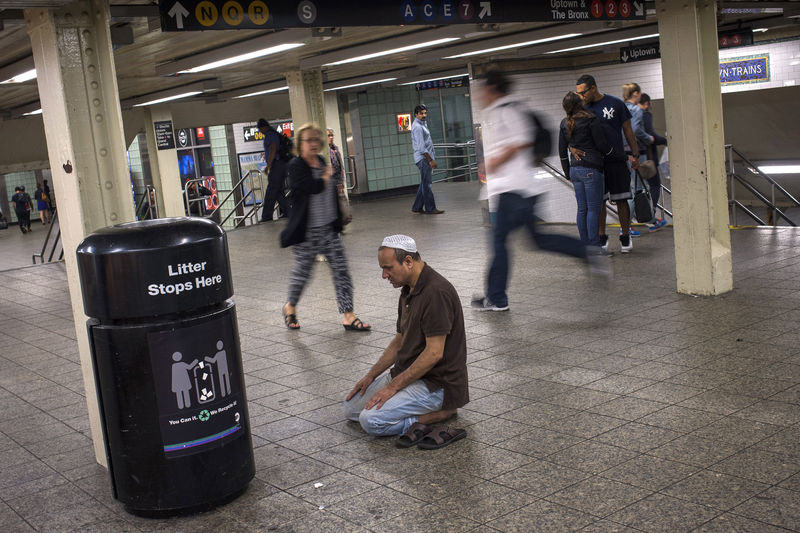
(693, 102)
(307, 101)
(163, 166)
(85, 144)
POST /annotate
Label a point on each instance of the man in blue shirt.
(276, 173)
(616, 120)
(424, 158)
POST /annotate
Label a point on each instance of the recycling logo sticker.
(197, 389)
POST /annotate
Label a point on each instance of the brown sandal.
(415, 433)
(441, 436)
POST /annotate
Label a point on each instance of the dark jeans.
(24, 220)
(424, 198)
(514, 211)
(275, 185)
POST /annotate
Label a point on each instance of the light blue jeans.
(398, 413)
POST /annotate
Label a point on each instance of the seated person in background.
(197, 195)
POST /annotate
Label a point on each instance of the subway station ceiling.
(149, 62)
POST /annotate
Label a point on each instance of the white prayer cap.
(400, 242)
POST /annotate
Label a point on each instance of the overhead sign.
(194, 15)
(734, 38)
(642, 52)
(164, 138)
(752, 69)
(252, 133)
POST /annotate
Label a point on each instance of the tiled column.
(693, 102)
(85, 144)
(307, 102)
(164, 166)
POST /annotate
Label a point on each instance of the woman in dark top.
(315, 224)
(582, 132)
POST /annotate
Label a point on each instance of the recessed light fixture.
(36, 112)
(393, 51)
(19, 78)
(266, 91)
(168, 98)
(515, 45)
(242, 57)
(780, 169)
(594, 45)
(359, 84)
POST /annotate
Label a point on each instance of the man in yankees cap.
(421, 378)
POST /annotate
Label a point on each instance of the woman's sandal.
(414, 434)
(290, 320)
(356, 325)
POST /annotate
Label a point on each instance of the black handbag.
(642, 202)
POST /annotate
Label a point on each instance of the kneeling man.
(427, 381)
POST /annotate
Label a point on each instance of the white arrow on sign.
(624, 57)
(178, 12)
(486, 10)
(638, 9)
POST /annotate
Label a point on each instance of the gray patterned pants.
(325, 241)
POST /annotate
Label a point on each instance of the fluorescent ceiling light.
(458, 75)
(36, 112)
(393, 51)
(594, 45)
(359, 84)
(515, 45)
(243, 57)
(19, 78)
(168, 98)
(780, 169)
(263, 92)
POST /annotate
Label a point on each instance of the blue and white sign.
(751, 69)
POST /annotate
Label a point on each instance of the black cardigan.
(303, 184)
(587, 135)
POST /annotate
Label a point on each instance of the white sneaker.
(625, 248)
(484, 304)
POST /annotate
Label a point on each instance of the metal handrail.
(561, 177)
(771, 204)
(470, 168)
(152, 207)
(352, 160)
(40, 255)
(239, 219)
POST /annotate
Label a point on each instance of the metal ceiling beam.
(16, 68)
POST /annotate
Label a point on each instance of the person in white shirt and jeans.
(513, 188)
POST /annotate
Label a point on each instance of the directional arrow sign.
(638, 9)
(486, 9)
(642, 52)
(178, 12)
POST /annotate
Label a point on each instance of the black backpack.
(542, 145)
(285, 145)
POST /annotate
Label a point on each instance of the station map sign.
(198, 15)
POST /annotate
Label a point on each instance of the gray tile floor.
(625, 407)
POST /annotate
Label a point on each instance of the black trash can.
(168, 366)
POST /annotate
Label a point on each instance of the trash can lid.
(154, 267)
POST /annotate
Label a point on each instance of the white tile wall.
(543, 91)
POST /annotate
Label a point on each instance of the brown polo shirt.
(432, 309)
